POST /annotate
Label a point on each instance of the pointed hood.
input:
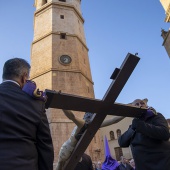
(109, 163)
(106, 147)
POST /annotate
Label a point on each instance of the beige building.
(59, 61)
(166, 6)
(112, 133)
(166, 34)
(166, 40)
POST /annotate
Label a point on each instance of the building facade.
(166, 6)
(166, 34)
(59, 61)
(112, 133)
(166, 40)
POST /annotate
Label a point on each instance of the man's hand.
(135, 122)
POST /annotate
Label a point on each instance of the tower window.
(118, 133)
(112, 136)
(63, 36)
(62, 0)
(62, 16)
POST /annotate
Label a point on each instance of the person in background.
(99, 165)
(124, 165)
(132, 163)
(148, 137)
(94, 166)
(25, 139)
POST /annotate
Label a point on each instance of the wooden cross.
(102, 108)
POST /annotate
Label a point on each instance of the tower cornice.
(61, 70)
(58, 33)
(46, 6)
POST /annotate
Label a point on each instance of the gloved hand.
(30, 88)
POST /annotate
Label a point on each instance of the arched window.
(118, 132)
(112, 136)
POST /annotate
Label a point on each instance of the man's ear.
(146, 101)
(23, 79)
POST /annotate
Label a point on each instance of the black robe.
(25, 139)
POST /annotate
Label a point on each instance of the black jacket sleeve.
(125, 139)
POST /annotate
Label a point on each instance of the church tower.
(59, 61)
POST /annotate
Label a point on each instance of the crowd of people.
(26, 142)
(124, 164)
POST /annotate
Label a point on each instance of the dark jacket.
(25, 139)
(122, 167)
(149, 144)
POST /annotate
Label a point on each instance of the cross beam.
(77, 103)
(101, 107)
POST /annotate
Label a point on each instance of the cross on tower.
(102, 108)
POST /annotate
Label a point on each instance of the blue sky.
(112, 29)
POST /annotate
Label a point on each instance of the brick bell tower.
(59, 61)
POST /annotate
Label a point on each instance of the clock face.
(65, 59)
